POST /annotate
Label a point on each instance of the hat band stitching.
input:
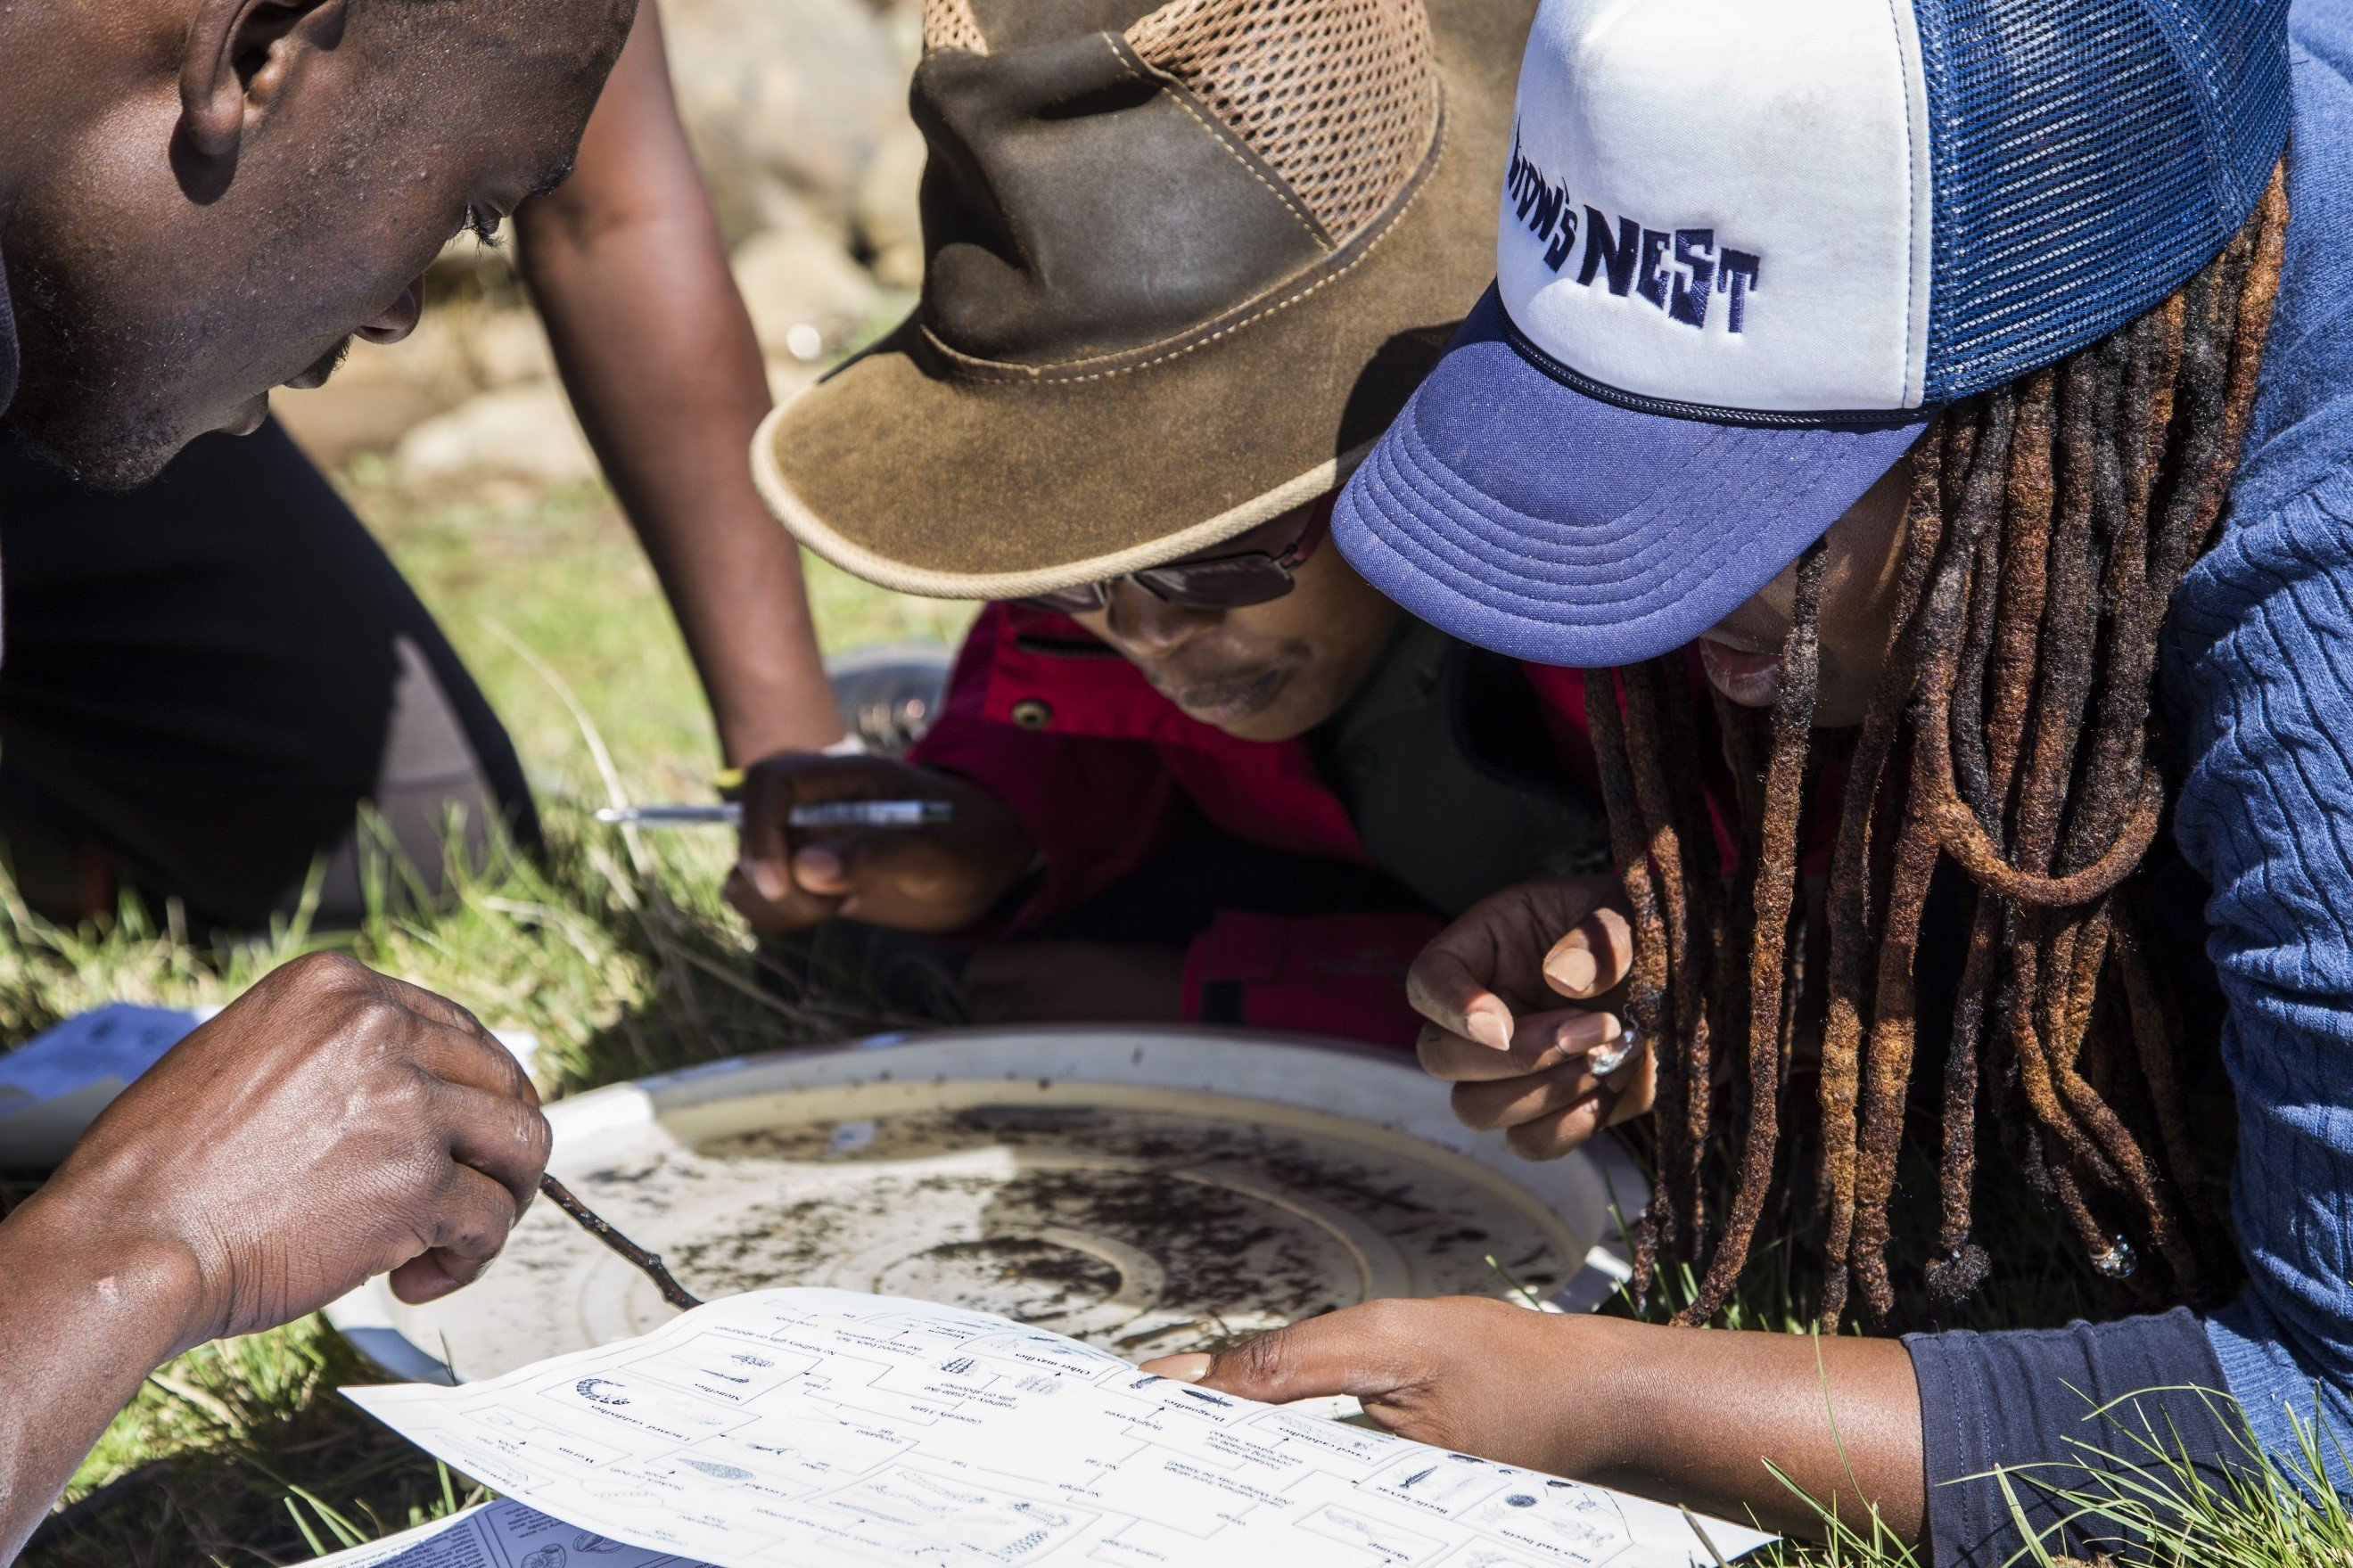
(1457, 561)
(1480, 527)
(1335, 266)
(804, 524)
(1133, 66)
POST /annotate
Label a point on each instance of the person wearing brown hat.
(1182, 268)
(1182, 265)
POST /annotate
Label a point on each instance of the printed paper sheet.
(499, 1535)
(822, 1428)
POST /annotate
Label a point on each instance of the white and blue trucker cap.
(1747, 248)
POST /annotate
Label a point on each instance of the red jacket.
(1099, 767)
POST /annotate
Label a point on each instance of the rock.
(798, 279)
(462, 348)
(890, 230)
(346, 417)
(505, 348)
(380, 392)
(788, 102)
(788, 378)
(799, 112)
(521, 432)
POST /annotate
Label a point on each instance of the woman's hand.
(931, 879)
(1489, 986)
(1462, 1372)
(1739, 1425)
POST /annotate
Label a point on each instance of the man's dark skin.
(200, 200)
(630, 272)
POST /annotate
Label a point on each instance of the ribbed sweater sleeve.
(2259, 682)
(2261, 673)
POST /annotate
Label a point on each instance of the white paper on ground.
(119, 1041)
(826, 1429)
(499, 1535)
(54, 1084)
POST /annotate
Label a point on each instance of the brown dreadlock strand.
(2010, 733)
(1656, 1229)
(1772, 897)
(1673, 862)
(1848, 909)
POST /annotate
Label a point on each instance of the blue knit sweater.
(2260, 684)
(2259, 687)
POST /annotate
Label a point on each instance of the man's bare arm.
(630, 274)
(332, 1125)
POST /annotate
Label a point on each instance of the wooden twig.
(648, 1263)
(1693, 1519)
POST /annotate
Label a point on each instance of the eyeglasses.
(1220, 582)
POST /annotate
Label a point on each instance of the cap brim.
(1516, 512)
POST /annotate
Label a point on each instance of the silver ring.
(1609, 1058)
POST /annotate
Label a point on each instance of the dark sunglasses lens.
(1231, 585)
(1080, 600)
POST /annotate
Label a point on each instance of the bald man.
(201, 200)
(206, 677)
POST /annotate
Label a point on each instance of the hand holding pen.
(869, 839)
(833, 813)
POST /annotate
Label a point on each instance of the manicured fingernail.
(1571, 970)
(1490, 1028)
(763, 877)
(1586, 1031)
(1183, 1368)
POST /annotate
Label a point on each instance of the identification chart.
(817, 1428)
(499, 1535)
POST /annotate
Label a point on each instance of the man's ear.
(237, 53)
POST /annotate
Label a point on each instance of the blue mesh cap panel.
(2088, 157)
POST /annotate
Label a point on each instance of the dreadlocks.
(2048, 525)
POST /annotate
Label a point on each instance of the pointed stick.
(649, 1263)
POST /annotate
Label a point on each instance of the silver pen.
(830, 814)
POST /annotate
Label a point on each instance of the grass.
(558, 572)
(619, 956)
(616, 953)
(623, 963)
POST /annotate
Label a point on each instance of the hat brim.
(903, 471)
(1514, 511)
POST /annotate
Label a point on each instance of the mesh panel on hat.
(1339, 97)
(950, 24)
(2089, 157)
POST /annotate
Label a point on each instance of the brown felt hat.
(1182, 266)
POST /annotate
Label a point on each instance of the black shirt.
(7, 345)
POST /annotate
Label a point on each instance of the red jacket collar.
(1047, 672)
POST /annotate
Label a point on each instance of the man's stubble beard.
(97, 459)
(81, 406)
(110, 462)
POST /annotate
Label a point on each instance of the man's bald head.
(202, 199)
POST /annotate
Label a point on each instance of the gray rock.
(787, 102)
(524, 432)
(801, 277)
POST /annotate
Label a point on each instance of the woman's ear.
(237, 56)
